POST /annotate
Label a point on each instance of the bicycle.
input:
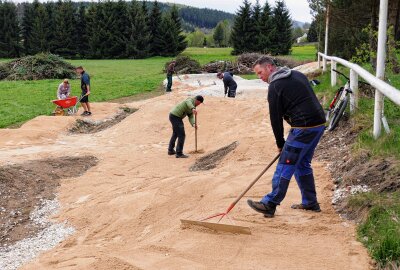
(339, 103)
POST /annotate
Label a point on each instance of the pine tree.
(10, 45)
(179, 38)
(312, 35)
(51, 25)
(65, 27)
(281, 39)
(155, 25)
(266, 29)
(40, 30)
(256, 21)
(118, 29)
(80, 33)
(27, 26)
(94, 31)
(138, 45)
(219, 35)
(242, 30)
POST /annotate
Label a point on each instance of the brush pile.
(37, 67)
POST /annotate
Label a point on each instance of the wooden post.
(326, 36)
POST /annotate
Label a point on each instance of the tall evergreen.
(312, 35)
(242, 29)
(27, 27)
(94, 30)
(10, 45)
(117, 29)
(51, 25)
(218, 34)
(266, 28)
(138, 45)
(179, 39)
(156, 33)
(256, 18)
(281, 36)
(80, 33)
(40, 30)
(64, 40)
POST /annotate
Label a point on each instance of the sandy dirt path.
(126, 210)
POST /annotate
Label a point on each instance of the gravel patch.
(51, 234)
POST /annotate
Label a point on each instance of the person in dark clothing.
(170, 72)
(229, 83)
(85, 87)
(180, 111)
(291, 98)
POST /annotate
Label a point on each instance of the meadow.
(110, 79)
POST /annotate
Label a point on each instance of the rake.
(225, 227)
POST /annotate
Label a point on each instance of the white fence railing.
(355, 70)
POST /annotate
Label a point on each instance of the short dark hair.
(200, 98)
(263, 60)
(79, 67)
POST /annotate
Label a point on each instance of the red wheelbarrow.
(66, 106)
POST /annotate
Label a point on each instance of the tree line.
(105, 29)
(262, 29)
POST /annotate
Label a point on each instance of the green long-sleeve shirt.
(185, 108)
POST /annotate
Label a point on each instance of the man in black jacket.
(229, 83)
(291, 97)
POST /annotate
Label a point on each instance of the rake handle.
(195, 132)
(251, 184)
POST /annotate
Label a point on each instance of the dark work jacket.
(229, 82)
(292, 98)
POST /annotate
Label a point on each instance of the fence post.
(319, 60)
(354, 88)
(380, 67)
(333, 73)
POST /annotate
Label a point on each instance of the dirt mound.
(37, 67)
(185, 64)
(210, 161)
(26, 185)
(360, 170)
(88, 126)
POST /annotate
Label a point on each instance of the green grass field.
(110, 79)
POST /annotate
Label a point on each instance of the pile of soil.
(211, 161)
(245, 62)
(37, 67)
(351, 169)
(86, 126)
(25, 186)
(185, 64)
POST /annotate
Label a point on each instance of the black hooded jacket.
(291, 97)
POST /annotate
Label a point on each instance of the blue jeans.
(169, 84)
(295, 158)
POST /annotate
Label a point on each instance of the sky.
(299, 9)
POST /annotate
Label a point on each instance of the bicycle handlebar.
(347, 78)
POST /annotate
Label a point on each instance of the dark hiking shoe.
(311, 207)
(182, 156)
(267, 209)
(84, 113)
(171, 152)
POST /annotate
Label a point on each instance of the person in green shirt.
(180, 111)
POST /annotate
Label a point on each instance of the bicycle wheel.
(337, 114)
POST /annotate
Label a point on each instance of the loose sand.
(126, 210)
